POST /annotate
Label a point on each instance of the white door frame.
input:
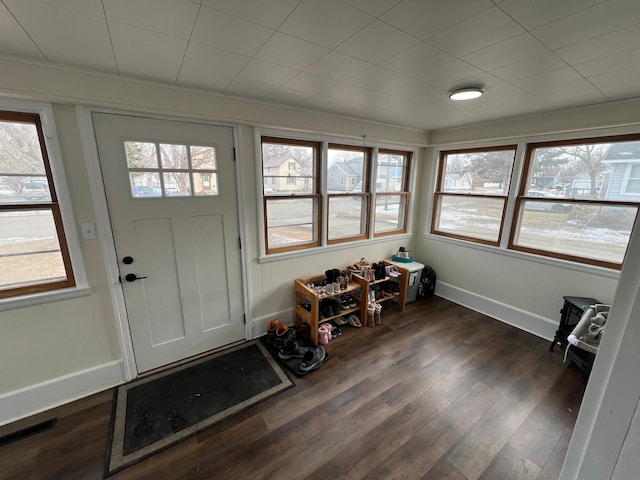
(105, 231)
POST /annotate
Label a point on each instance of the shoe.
(392, 271)
(271, 331)
(312, 359)
(371, 310)
(323, 335)
(284, 336)
(344, 303)
(350, 300)
(377, 318)
(335, 331)
(335, 306)
(354, 321)
(340, 321)
(293, 350)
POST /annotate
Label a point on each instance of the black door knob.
(132, 277)
(127, 260)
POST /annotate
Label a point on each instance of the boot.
(323, 335)
(284, 337)
(376, 316)
(271, 332)
(371, 309)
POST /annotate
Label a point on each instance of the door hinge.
(240, 243)
(234, 154)
(244, 318)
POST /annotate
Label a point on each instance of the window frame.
(521, 198)
(403, 193)
(625, 180)
(315, 197)
(277, 136)
(75, 284)
(439, 193)
(365, 194)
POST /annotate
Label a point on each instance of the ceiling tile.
(162, 16)
(412, 89)
(220, 30)
(291, 52)
(417, 61)
(354, 94)
(270, 14)
(510, 51)
(534, 14)
(89, 7)
(375, 78)
(609, 44)
(309, 83)
(612, 63)
(483, 30)
(593, 22)
(576, 95)
(550, 83)
(145, 54)
(373, 7)
(247, 88)
(325, 22)
(287, 96)
(426, 18)
(267, 72)
(338, 66)
(544, 63)
(209, 67)
(13, 39)
(66, 36)
(376, 43)
(451, 72)
(618, 85)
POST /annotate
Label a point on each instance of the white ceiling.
(392, 61)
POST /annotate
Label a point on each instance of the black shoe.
(344, 304)
(312, 359)
(350, 300)
(293, 350)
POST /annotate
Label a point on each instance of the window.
(471, 193)
(295, 202)
(631, 184)
(162, 170)
(392, 192)
(580, 208)
(348, 211)
(34, 256)
(291, 209)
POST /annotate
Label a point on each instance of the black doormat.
(155, 412)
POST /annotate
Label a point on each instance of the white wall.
(57, 352)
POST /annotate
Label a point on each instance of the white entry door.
(171, 192)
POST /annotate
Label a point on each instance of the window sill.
(44, 297)
(554, 262)
(275, 257)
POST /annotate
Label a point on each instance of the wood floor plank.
(437, 391)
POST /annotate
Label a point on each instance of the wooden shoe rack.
(358, 288)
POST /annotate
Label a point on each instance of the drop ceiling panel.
(13, 39)
(270, 14)
(373, 7)
(210, 68)
(532, 14)
(412, 89)
(483, 30)
(146, 54)
(418, 61)
(220, 30)
(267, 72)
(325, 22)
(426, 18)
(309, 83)
(612, 63)
(375, 78)
(376, 43)
(547, 62)
(290, 51)
(66, 36)
(163, 16)
(337, 66)
(517, 48)
(89, 7)
(609, 44)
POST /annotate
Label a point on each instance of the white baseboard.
(527, 321)
(43, 396)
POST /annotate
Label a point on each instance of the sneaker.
(344, 304)
(350, 300)
(293, 350)
(312, 359)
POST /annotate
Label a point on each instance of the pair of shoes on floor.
(313, 359)
(324, 334)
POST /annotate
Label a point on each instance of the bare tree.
(20, 154)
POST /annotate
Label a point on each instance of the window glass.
(33, 254)
(174, 156)
(345, 169)
(390, 213)
(390, 172)
(347, 216)
(291, 222)
(288, 168)
(632, 184)
(471, 195)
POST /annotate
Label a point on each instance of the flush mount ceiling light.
(465, 94)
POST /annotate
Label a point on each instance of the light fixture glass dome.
(466, 94)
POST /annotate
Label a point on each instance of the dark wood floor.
(436, 392)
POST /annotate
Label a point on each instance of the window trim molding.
(57, 171)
